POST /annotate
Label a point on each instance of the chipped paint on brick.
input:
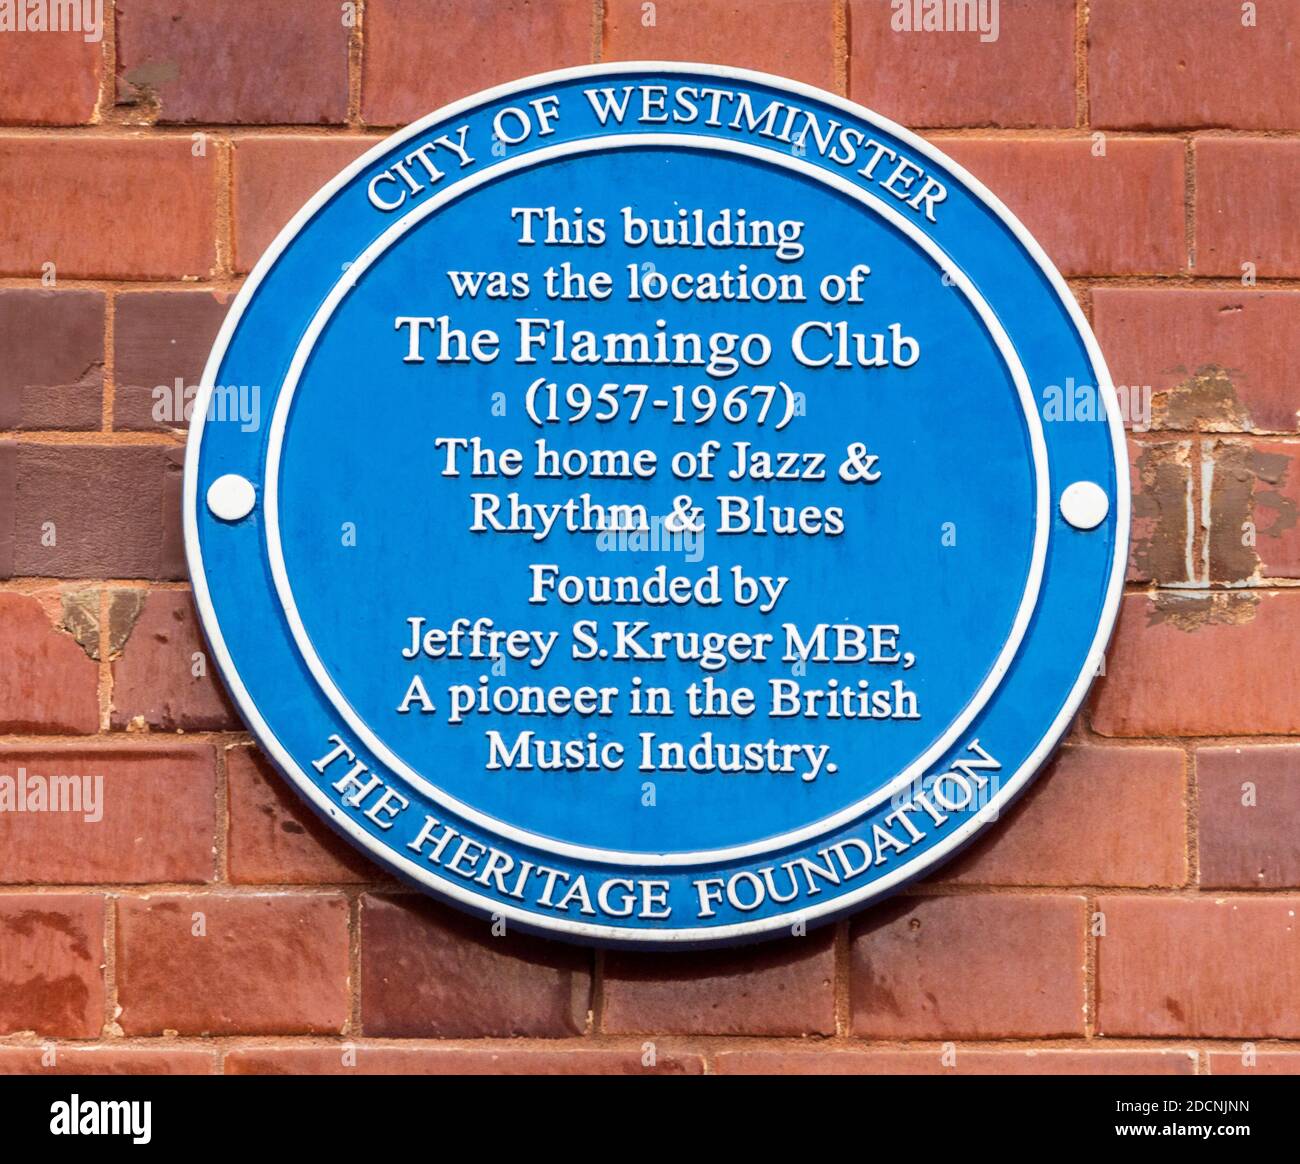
(1160, 548)
(1271, 480)
(1247, 498)
(77, 614)
(139, 87)
(1191, 612)
(124, 609)
(1228, 509)
(79, 617)
(1205, 401)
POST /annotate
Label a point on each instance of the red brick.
(276, 839)
(1160, 475)
(1056, 836)
(52, 964)
(155, 809)
(1247, 206)
(8, 490)
(1216, 360)
(1121, 214)
(958, 1062)
(266, 964)
(385, 1060)
(48, 683)
(429, 971)
(235, 63)
(969, 967)
(154, 678)
(172, 563)
(1206, 968)
(780, 988)
(274, 178)
(107, 1060)
(49, 78)
(422, 54)
(110, 510)
(792, 38)
(956, 78)
(1202, 665)
(116, 208)
(1258, 1063)
(160, 337)
(44, 384)
(1193, 63)
(1249, 845)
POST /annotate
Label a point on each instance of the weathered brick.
(421, 54)
(52, 376)
(792, 38)
(1204, 967)
(160, 338)
(944, 1061)
(276, 839)
(49, 78)
(429, 971)
(241, 64)
(105, 508)
(224, 964)
(1202, 665)
(48, 683)
(780, 988)
(107, 1060)
(8, 491)
(1160, 475)
(172, 563)
(1121, 214)
(388, 1060)
(1193, 64)
(1215, 360)
(1098, 816)
(969, 967)
(1248, 802)
(106, 207)
(274, 178)
(1254, 1062)
(1262, 227)
(52, 964)
(155, 679)
(1254, 495)
(933, 78)
(151, 820)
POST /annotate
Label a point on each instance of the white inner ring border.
(573, 850)
(593, 931)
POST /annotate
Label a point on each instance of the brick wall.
(1133, 914)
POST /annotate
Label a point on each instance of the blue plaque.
(661, 526)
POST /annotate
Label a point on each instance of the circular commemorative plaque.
(660, 525)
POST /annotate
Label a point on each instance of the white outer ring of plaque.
(429, 876)
(372, 740)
